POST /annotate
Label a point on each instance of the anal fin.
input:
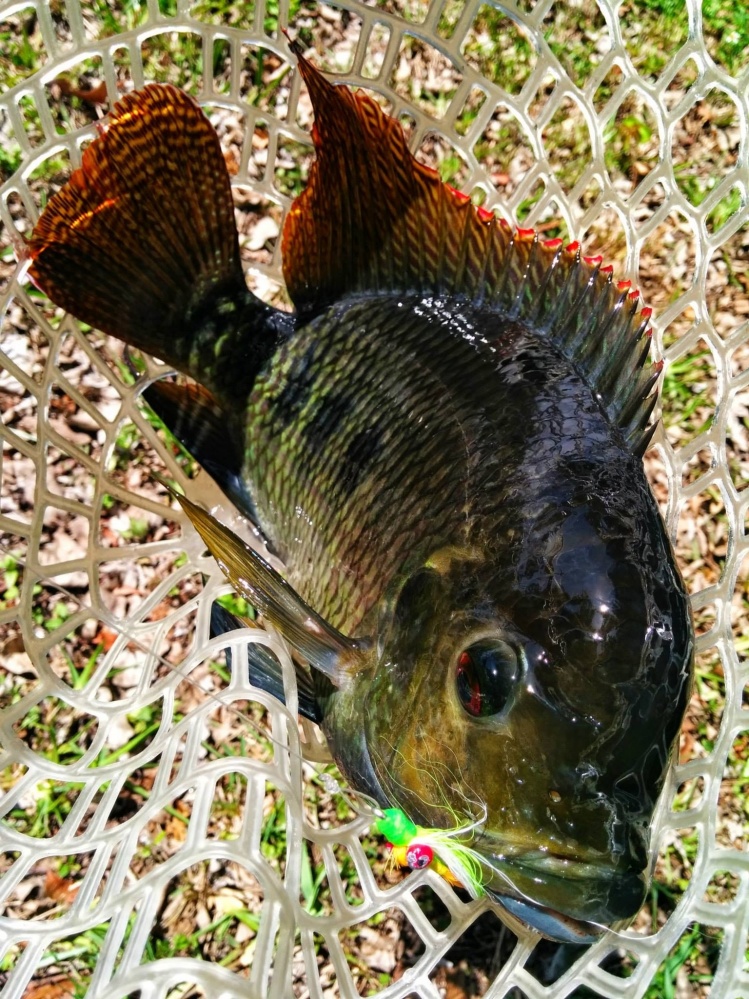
(211, 434)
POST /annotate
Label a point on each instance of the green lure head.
(396, 827)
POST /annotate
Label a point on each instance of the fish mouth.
(566, 900)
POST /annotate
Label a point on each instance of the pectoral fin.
(326, 649)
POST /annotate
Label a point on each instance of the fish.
(443, 444)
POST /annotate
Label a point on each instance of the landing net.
(161, 833)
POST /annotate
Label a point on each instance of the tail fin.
(141, 243)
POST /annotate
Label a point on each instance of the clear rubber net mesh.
(155, 806)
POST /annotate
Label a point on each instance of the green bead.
(396, 827)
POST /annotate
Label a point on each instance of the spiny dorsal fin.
(373, 219)
(141, 242)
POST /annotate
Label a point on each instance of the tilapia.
(443, 443)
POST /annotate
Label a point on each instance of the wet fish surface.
(444, 445)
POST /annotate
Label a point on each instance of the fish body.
(444, 447)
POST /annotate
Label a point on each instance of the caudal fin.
(141, 243)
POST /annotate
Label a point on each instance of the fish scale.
(354, 531)
(343, 548)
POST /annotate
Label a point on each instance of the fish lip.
(564, 898)
(552, 925)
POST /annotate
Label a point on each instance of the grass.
(495, 45)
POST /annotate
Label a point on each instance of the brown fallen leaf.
(59, 988)
(106, 638)
(96, 94)
(59, 889)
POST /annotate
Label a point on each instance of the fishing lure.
(418, 847)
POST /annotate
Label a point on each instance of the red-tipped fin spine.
(374, 220)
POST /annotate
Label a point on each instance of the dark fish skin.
(444, 446)
(543, 531)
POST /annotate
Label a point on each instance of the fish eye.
(487, 672)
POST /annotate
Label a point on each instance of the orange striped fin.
(143, 233)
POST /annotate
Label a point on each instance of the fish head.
(528, 695)
(544, 712)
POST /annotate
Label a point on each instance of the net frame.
(108, 893)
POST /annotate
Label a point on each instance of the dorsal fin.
(374, 220)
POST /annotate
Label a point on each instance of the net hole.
(24, 342)
(567, 142)
(79, 96)
(468, 113)
(631, 143)
(388, 946)
(377, 45)
(607, 88)
(77, 657)
(41, 809)
(525, 209)
(689, 393)
(702, 538)
(705, 145)
(432, 906)
(424, 77)
(681, 83)
(490, 36)
(543, 96)
(31, 121)
(728, 282)
(692, 962)
(291, 169)
(259, 227)
(478, 954)
(450, 15)
(337, 37)
(732, 797)
(264, 79)
(221, 65)
(607, 236)
(162, 831)
(689, 795)
(174, 57)
(723, 887)
(11, 155)
(18, 472)
(436, 152)
(700, 464)
(578, 51)
(16, 211)
(725, 209)
(273, 833)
